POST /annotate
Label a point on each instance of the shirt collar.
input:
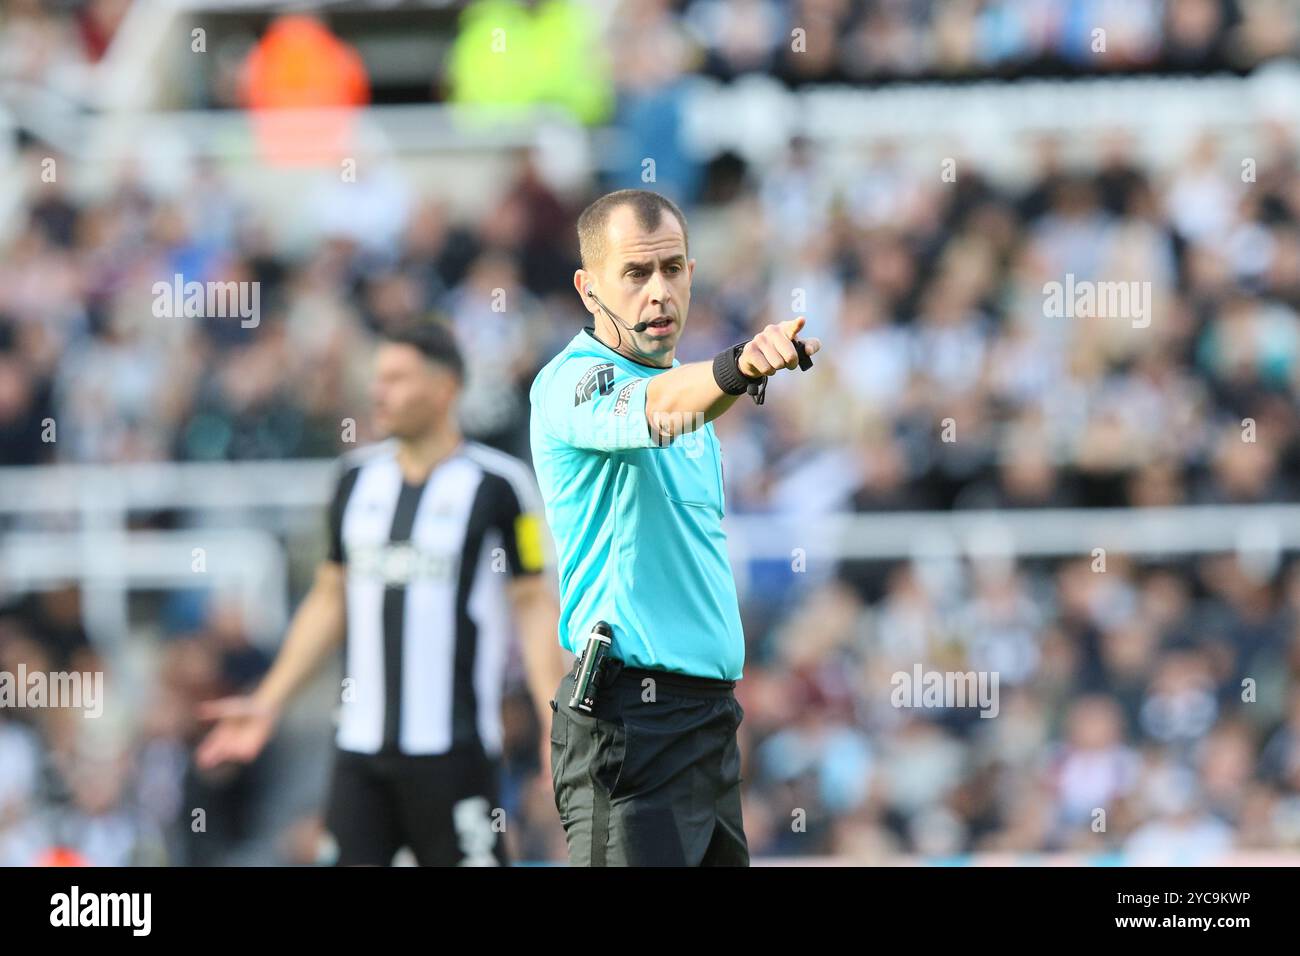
(591, 331)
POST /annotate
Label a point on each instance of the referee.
(435, 544)
(631, 473)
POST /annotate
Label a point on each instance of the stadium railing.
(72, 523)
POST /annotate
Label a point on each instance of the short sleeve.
(519, 524)
(594, 404)
(342, 489)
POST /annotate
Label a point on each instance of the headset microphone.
(639, 327)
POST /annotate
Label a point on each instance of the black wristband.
(727, 373)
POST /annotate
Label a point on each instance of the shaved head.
(593, 224)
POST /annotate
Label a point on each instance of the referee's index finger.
(792, 327)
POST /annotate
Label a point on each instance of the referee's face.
(411, 395)
(645, 277)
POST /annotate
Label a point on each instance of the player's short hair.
(435, 342)
(649, 209)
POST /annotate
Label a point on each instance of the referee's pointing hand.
(773, 349)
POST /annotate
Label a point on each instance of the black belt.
(688, 685)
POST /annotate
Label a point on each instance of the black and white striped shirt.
(428, 616)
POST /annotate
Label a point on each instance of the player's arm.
(687, 397)
(537, 615)
(315, 633)
(517, 517)
(245, 724)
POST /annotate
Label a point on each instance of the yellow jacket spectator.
(511, 55)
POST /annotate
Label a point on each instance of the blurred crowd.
(1165, 694)
(652, 43)
(46, 46)
(1148, 712)
(953, 378)
(847, 41)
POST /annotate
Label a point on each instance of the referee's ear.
(582, 281)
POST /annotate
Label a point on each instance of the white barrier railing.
(105, 495)
(991, 125)
(237, 510)
(248, 565)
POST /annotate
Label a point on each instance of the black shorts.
(652, 778)
(443, 807)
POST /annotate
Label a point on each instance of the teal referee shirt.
(638, 528)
